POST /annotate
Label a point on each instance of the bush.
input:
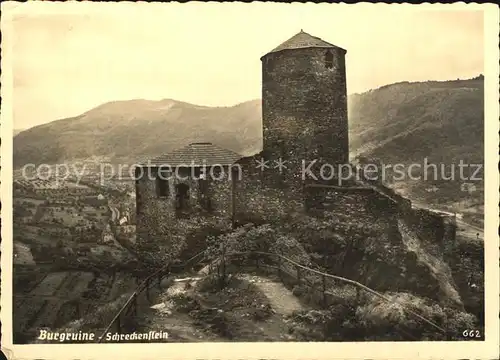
(185, 303)
(378, 313)
(262, 238)
(214, 320)
(262, 313)
(208, 284)
(98, 319)
(458, 321)
(323, 325)
(299, 290)
(312, 317)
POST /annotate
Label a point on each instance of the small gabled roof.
(304, 40)
(196, 154)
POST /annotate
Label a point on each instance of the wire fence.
(325, 289)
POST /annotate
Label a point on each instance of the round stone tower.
(304, 102)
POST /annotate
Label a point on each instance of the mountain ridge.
(383, 122)
(402, 123)
(136, 128)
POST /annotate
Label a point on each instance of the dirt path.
(469, 231)
(179, 326)
(164, 316)
(282, 300)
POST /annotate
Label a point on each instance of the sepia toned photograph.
(268, 174)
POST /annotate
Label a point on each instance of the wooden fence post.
(159, 281)
(147, 289)
(325, 301)
(298, 274)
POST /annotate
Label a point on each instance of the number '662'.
(471, 333)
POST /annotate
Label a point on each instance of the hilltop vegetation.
(438, 122)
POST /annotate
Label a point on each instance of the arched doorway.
(181, 196)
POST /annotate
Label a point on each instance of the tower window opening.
(329, 60)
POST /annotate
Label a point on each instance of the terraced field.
(69, 311)
(54, 299)
(47, 315)
(25, 282)
(121, 284)
(26, 312)
(50, 284)
(76, 285)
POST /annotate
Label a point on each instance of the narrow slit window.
(329, 60)
(204, 195)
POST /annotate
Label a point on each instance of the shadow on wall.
(431, 227)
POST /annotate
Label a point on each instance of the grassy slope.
(130, 129)
(406, 123)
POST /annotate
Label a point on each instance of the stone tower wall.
(304, 106)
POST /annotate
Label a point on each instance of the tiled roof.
(303, 40)
(197, 154)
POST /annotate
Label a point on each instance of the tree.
(250, 241)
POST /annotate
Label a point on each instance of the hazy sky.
(69, 58)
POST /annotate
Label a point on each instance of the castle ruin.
(305, 126)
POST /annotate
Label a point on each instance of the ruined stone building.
(304, 115)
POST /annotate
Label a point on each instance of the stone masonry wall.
(304, 108)
(265, 196)
(437, 230)
(362, 203)
(357, 212)
(355, 232)
(157, 220)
